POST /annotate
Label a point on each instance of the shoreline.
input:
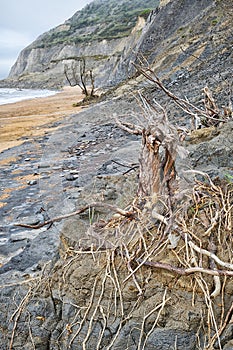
(13, 95)
(30, 118)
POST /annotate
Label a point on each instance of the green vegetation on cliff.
(99, 20)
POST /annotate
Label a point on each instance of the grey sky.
(22, 21)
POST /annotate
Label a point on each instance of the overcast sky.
(22, 21)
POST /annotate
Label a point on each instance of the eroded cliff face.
(184, 37)
(101, 42)
(46, 65)
(177, 39)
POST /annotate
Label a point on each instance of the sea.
(9, 95)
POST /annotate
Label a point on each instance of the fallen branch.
(124, 165)
(130, 167)
(128, 214)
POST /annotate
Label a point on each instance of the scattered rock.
(44, 166)
(70, 177)
(32, 182)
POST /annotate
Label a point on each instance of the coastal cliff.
(110, 36)
(101, 33)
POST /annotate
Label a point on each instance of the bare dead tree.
(78, 75)
(160, 140)
(160, 147)
(92, 93)
(83, 76)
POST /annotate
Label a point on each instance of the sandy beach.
(30, 118)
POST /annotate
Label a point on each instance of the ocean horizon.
(12, 95)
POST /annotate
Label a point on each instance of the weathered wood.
(156, 167)
(149, 166)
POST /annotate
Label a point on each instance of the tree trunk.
(149, 166)
(156, 168)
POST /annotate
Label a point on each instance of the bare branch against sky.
(23, 21)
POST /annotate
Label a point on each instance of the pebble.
(32, 182)
(46, 176)
(3, 240)
(44, 165)
(70, 177)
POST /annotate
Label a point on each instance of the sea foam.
(9, 95)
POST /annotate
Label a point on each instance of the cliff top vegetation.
(99, 20)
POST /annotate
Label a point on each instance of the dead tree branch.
(128, 214)
(211, 112)
(129, 127)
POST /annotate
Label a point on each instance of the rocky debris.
(19, 200)
(47, 177)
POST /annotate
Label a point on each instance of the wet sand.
(31, 118)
